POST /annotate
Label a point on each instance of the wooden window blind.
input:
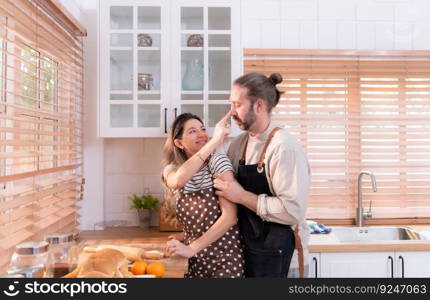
(41, 89)
(354, 111)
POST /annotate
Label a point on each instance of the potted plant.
(144, 205)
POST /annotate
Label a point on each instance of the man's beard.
(250, 119)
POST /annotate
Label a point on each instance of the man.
(272, 185)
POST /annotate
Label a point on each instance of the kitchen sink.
(374, 233)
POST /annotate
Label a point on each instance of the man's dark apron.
(269, 246)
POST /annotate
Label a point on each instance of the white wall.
(336, 24)
(92, 207)
(131, 165)
(117, 168)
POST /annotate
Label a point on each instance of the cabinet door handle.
(392, 266)
(176, 112)
(165, 120)
(316, 266)
(403, 265)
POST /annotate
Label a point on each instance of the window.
(356, 111)
(40, 123)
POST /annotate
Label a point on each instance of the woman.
(210, 238)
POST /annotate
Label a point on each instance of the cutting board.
(176, 266)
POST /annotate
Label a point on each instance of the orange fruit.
(139, 267)
(156, 268)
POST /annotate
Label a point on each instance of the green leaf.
(149, 202)
(145, 202)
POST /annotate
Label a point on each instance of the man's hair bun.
(275, 78)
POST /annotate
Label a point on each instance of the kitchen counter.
(177, 266)
(150, 238)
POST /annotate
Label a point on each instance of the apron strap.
(244, 150)
(263, 154)
(299, 247)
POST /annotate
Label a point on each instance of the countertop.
(317, 243)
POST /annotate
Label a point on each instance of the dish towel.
(315, 227)
(425, 235)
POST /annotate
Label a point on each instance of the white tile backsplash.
(413, 11)
(346, 35)
(151, 156)
(384, 36)
(123, 183)
(270, 34)
(360, 24)
(403, 36)
(401, 13)
(371, 11)
(336, 10)
(131, 166)
(365, 35)
(153, 182)
(290, 35)
(300, 10)
(261, 10)
(308, 35)
(251, 33)
(123, 155)
(118, 203)
(327, 33)
(130, 216)
(420, 36)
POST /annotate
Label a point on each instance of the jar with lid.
(30, 260)
(145, 81)
(59, 246)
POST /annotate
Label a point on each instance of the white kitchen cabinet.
(314, 265)
(160, 58)
(413, 264)
(370, 264)
(357, 264)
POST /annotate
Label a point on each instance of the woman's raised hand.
(222, 128)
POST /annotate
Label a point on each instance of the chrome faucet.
(360, 213)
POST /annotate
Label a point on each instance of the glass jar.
(145, 81)
(59, 246)
(144, 40)
(30, 260)
(195, 40)
(193, 77)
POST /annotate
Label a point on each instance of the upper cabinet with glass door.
(207, 56)
(162, 58)
(133, 60)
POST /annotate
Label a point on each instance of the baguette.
(154, 254)
(131, 253)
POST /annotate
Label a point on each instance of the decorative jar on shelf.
(193, 77)
(144, 40)
(145, 81)
(195, 40)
